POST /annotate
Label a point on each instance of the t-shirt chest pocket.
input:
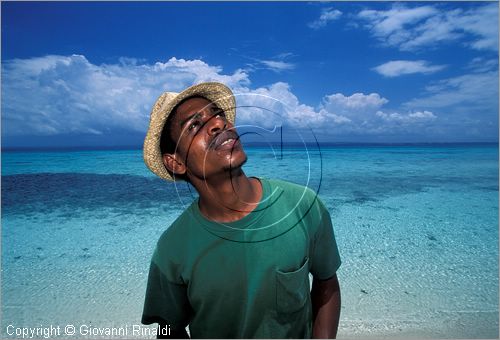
(292, 288)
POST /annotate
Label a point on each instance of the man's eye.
(193, 125)
(220, 113)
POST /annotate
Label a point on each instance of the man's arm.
(325, 297)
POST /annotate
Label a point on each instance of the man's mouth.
(225, 140)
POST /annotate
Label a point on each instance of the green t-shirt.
(248, 278)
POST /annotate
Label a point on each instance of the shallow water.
(417, 229)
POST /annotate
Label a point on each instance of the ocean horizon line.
(253, 145)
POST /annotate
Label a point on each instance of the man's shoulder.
(304, 201)
(177, 232)
(293, 190)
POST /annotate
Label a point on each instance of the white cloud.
(468, 104)
(481, 65)
(385, 23)
(415, 28)
(327, 15)
(422, 115)
(483, 23)
(391, 25)
(412, 117)
(361, 113)
(473, 92)
(275, 105)
(277, 65)
(67, 94)
(397, 68)
(337, 113)
(354, 105)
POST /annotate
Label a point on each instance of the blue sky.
(87, 73)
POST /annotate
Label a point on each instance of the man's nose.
(215, 124)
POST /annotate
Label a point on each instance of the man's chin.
(236, 164)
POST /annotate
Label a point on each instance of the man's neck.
(229, 199)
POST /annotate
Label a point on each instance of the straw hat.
(217, 93)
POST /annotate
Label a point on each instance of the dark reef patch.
(67, 193)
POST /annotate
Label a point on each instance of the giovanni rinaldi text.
(50, 331)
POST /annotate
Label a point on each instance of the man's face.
(207, 143)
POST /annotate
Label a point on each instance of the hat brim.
(217, 93)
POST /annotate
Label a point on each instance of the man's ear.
(174, 163)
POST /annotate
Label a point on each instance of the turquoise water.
(417, 229)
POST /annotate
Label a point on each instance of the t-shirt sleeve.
(166, 302)
(325, 255)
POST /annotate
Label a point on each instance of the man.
(236, 263)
